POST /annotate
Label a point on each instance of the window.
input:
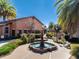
(29, 31)
(6, 29)
(13, 32)
(20, 31)
(25, 31)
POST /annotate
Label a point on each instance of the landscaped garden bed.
(13, 44)
(52, 36)
(9, 47)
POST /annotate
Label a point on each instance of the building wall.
(1, 30)
(29, 23)
(26, 24)
(38, 25)
(23, 24)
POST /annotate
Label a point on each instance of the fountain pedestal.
(42, 41)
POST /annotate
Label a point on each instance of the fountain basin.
(48, 47)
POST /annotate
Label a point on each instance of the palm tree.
(51, 26)
(7, 11)
(68, 12)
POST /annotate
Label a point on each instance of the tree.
(7, 11)
(68, 12)
(51, 26)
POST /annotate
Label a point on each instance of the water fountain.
(42, 46)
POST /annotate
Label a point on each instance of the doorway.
(13, 32)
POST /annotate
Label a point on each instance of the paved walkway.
(3, 43)
(22, 52)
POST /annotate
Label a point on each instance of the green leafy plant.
(26, 38)
(8, 48)
(50, 34)
(62, 41)
(31, 37)
(75, 50)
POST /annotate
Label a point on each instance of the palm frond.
(58, 1)
(6, 9)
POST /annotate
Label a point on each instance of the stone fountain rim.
(38, 50)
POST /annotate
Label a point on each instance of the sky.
(44, 10)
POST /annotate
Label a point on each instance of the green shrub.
(75, 49)
(17, 42)
(26, 38)
(50, 34)
(31, 37)
(61, 41)
(7, 48)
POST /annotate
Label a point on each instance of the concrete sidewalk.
(22, 52)
(3, 43)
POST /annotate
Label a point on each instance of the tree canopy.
(51, 26)
(7, 10)
(68, 12)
